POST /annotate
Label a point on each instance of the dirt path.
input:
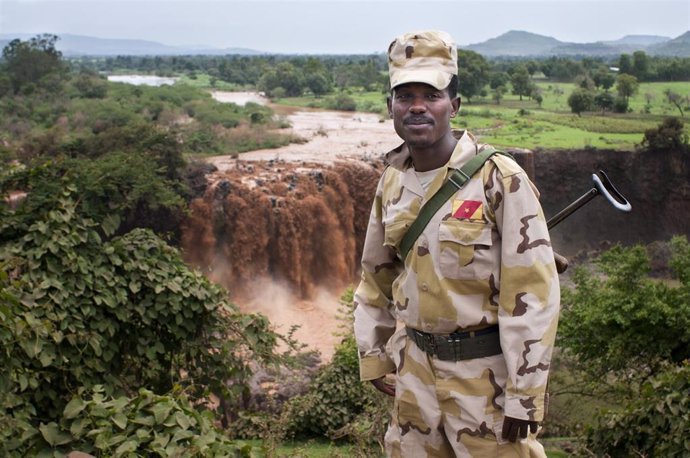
(332, 136)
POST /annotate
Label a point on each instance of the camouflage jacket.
(485, 258)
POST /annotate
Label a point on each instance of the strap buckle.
(462, 174)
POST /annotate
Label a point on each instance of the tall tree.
(581, 100)
(626, 85)
(641, 66)
(603, 78)
(625, 64)
(29, 62)
(473, 73)
(521, 82)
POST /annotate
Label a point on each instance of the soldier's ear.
(456, 106)
(389, 104)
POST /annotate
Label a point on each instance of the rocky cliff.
(304, 224)
(656, 184)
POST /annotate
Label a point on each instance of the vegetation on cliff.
(111, 344)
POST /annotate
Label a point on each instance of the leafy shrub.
(125, 189)
(657, 423)
(103, 114)
(326, 402)
(145, 425)
(627, 339)
(125, 313)
(581, 100)
(626, 319)
(91, 86)
(227, 115)
(336, 396)
(620, 105)
(667, 136)
(338, 404)
(341, 102)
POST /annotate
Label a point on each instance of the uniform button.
(425, 287)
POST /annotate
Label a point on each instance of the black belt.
(458, 346)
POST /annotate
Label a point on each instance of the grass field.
(324, 449)
(523, 123)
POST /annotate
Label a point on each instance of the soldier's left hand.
(381, 385)
(515, 427)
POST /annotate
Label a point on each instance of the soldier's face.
(421, 113)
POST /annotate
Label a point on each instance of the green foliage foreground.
(628, 335)
(89, 326)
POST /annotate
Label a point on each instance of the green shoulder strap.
(456, 181)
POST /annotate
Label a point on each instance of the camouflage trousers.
(449, 408)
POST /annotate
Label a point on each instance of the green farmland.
(523, 123)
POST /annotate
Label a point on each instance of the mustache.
(418, 120)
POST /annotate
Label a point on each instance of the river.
(332, 137)
(145, 80)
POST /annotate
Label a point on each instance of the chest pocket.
(394, 231)
(465, 249)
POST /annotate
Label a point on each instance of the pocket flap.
(465, 232)
(394, 231)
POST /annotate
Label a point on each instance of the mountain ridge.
(518, 43)
(81, 45)
(514, 43)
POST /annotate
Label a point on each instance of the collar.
(399, 158)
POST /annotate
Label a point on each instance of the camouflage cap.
(429, 57)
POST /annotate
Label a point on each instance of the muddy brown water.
(305, 193)
(332, 135)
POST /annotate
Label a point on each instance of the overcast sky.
(326, 26)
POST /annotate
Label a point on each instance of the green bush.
(624, 319)
(341, 102)
(126, 190)
(625, 338)
(667, 136)
(227, 115)
(581, 100)
(656, 423)
(335, 397)
(338, 404)
(143, 425)
(620, 105)
(125, 314)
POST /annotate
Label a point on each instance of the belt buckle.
(433, 346)
(428, 339)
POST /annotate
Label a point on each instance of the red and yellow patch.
(467, 209)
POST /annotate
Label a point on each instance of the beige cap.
(429, 57)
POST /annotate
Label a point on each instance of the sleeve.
(374, 321)
(529, 298)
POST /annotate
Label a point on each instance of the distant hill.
(679, 46)
(526, 44)
(78, 45)
(511, 44)
(515, 43)
(637, 40)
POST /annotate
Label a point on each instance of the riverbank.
(330, 136)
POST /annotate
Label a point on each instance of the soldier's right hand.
(381, 385)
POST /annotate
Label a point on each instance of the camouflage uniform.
(484, 259)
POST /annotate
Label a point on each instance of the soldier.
(466, 319)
